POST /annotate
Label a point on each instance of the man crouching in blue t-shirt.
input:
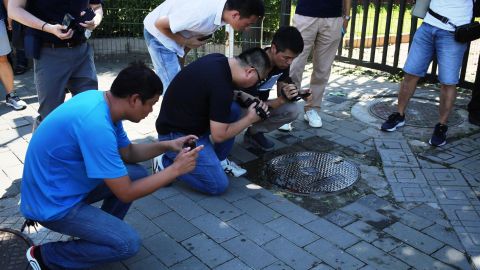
(80, 155)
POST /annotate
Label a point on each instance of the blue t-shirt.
(71, 152)
(320, 8)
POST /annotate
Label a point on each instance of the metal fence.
(379, 35)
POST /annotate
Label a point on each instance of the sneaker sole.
(32, 261)
(401, 124)
(156, 168)
(442, 144)
(16, 108)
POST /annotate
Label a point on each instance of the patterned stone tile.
(404, 175)
(410, 192)
(444, 177)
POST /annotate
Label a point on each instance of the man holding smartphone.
(62, 57)
(176, 26)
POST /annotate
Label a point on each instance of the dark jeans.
(474, 105)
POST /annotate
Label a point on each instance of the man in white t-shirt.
(435, 37)
(176, 26)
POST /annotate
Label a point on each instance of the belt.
(71, 44)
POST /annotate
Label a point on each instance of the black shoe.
(19, 70)
(394, 121)
(439, 136)
(474, 118)
(258, 140)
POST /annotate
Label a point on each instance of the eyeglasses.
(260, 81)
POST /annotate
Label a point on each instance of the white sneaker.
(287, 127)
(313, 118)
(15, 102)
(157, 164)
(231, 168)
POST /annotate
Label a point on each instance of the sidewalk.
(415, 207)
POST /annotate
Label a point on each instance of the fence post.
(285, 9)
(230, 46)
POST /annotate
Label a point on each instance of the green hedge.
(124, 18)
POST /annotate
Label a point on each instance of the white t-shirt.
(459, 12)
(187, 17)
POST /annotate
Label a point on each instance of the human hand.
(194, 42)
(177, 144)
(90, 24)
(58, 30)
(290, 91)
(186, 160)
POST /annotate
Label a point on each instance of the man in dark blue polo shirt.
(62, 57)
(199, 101)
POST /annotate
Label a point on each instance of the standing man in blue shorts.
(93, 160)
(434, 37)
(176, 26)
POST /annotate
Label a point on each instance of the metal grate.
(13, 245)
(420, 112)
(311, 172)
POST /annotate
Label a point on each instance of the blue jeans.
(165, 62)
(208, 176)
(103, 235)
(429, 41)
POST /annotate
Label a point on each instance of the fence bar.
(375, 31)
(398, 40)
(285, 10)
(386, 38)
(352, 29)
(366, 4)
(413, 29)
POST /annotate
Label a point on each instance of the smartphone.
(67, 21)
(88, 16)
(205, 37)
(192, 143)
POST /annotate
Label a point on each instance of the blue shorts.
(429, 41)
(4, 43)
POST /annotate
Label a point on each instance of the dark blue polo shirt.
(200, 92)
(320, 8)
(3, 12)
(53, 11)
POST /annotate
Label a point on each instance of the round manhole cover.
(311, 172)
(420, 112)
(13, 245)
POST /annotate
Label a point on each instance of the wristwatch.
(346, 17)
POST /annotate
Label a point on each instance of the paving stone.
(444, 177)
(375, 257)
(332, 233)
(293, 212)
(8, 160)
(232, 264)
(454, 195)
(433, 214)
(279, 266)
(292, 231)
(387, 243)
(410, 192)
(142, 254)
(176, 226)
(267, 197)
(165, 192)
(184, 206)
(363, 230)
(414, 238)
(471, 241)
(248, 252)
(417, 259)
(220, 208)
(452, 256)
(340, 218)
(256, 210)
(235, 192)
(472, 179)
(444, 234)
(167, 250)
(373, 202)
(205, 249)
(322, 267)
(375, 181)
(404, 175)
(453, 152)
(252, 229)
(190, 193)
(367, 215)
(333, 256)
(151, 207)
(242, 154)
(189, 264)
(407, 218)
(355, 136)
(215, 228)
(291, 254)
(144, 226)
(112, 266)
(146, 263)
(395, 153)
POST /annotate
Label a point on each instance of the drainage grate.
(420, 112)
(311, 172)
(13, 245)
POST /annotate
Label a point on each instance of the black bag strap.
(441, 18)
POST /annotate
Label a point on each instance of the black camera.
(302, 93)
(259, 110)
(71, 23)
(192, 143)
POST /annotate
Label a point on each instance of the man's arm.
(347, 5)
(16, 11)
(92, 24)
(128, 191)
(222, 131)
(163, 25)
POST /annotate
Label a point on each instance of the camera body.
(302, 93)
(72, 23)
(259, 110)
(192, 143)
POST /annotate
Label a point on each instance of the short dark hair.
(288, 38)
(137, 78)
(247, 8)
(257, 58)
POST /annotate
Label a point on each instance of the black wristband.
(44, 25)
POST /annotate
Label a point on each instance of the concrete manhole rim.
(320, 173)
(13, 246)
(19, 234)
